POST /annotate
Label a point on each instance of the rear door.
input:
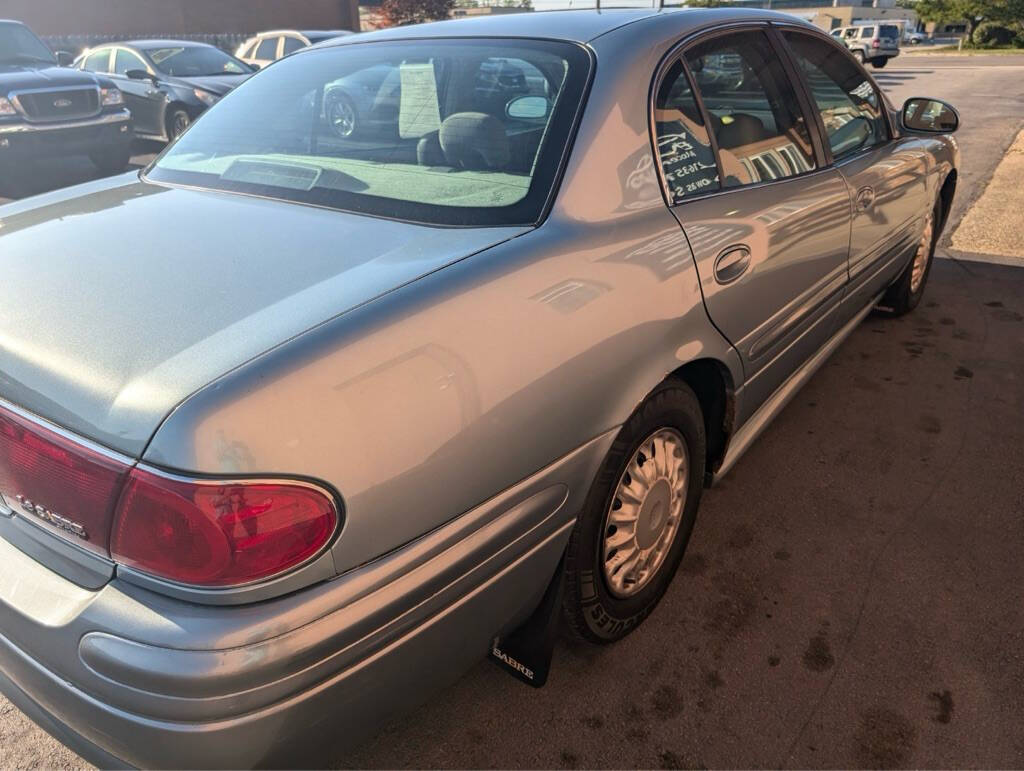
(886, 175)
(769, 226)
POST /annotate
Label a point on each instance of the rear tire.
(906, 293)
(658, 457)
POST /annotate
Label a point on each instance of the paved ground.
(851, 595)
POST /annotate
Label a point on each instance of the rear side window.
(850, 107)
(867, 32)
(752, 108)
(447, 131)
(684, 147)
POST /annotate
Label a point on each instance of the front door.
(886, 177)
(143, 97)
(768, 226)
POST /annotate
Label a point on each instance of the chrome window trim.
(677, 51)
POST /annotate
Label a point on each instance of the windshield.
(445, 131)
(17, 43)
(196, 62)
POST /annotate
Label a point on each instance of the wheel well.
(946, 196)
(712, 384)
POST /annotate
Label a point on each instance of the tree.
(969, 11)
(398, 13)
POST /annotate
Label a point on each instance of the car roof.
(580, 25)
(146, 45)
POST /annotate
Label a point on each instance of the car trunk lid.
(122, 298)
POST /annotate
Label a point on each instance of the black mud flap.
(526, 652)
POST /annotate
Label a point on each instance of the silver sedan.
(296, 426)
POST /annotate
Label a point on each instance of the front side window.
(445, 131)
(196, 62)
(125, 61)
(753, 109)
(684, 147)
(292, 44)
(850, 107)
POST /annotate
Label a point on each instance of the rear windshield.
(889, 30)
(444, 131)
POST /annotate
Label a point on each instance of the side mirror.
(140, 75)
(528, 107)
(929, 116)
(65, 58)
(253, 66)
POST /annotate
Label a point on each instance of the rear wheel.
(638, 517)
(907, 292)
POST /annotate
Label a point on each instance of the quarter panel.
(439, 396)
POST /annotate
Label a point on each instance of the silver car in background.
(295, 428)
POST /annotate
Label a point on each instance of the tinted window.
(98, 61)
(17, 43)
(246, 51)
(849, 104)
(753, 109)
(267, 49)
(196, 61)
(684, 148)
(413, 130)
(889, 31)
(867, 32)
(292, 44)
(125, 61)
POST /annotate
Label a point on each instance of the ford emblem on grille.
(62, 103)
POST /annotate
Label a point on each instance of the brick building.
(147, 18)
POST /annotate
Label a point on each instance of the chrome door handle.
(865, 197)
(732, 263)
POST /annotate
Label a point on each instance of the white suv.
(875, 43)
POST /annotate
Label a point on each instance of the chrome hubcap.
(924, 253)
(646, 509)
(343, 118)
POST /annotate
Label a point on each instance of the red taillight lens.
(64, 484)
(876, 43)
(216, 534)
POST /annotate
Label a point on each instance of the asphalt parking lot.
(851, 595)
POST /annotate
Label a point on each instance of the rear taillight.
(57, 482)
(219, 533)
(876, 43)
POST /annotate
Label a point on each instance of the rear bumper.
(23, 141)
(127, 677)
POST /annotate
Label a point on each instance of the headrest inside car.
(474, 140)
